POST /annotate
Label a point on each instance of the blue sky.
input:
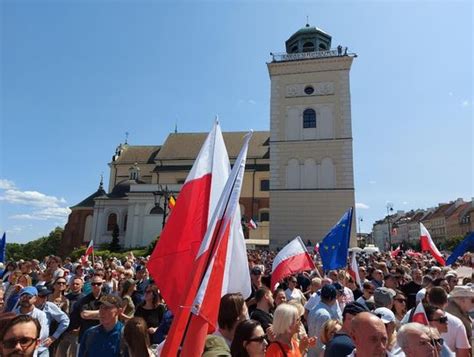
(77, 75)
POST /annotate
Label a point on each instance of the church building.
(299, 176)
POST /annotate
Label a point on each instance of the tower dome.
(308, 39)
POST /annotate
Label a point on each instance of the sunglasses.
(258, 339)
(442, 320)
(96, 284)
(24, 342)
(436, 341)
(60, 283)
(401, 300)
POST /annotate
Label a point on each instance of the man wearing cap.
(104, 339)
(342, 343)
(321, 313)
(383, 297)
(142, 281)
(28, 296)
(460, 304)
(53, 313)
(388, 318)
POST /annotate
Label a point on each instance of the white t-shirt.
(312, 302)
(456, 336)
(296, 294)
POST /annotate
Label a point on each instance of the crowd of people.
(113, 308)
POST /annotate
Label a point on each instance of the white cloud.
(31, 198)
(6, 184)
(465, 103)
(44, 214)
(362, 205)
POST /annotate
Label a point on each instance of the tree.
(36, 249)
(115, 244)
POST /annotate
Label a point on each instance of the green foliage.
(106, 254)
(451, 243)
(36, 249)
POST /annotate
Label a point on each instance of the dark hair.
(438, 281)
(230, 309)
(367, 285)
(260, 293)
(136, 337)
(156, 294)
(20, 319)
(430, 310)
(437, 296)
(243, 332)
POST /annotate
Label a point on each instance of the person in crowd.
(452, 279)
(54, 265)
(142, 281)
(286, 322)
(20, 336)
(383, 297)
(367, 298)
(399, 307)
(321, 313)
(136, 338)
(58, 320)
(328, 331)
(88, 307)
(390, 281)
(104, 339)
(265, 304)
(415, 340)
(342, 343)
(388, 318)
(75, 292)
(314, 286)
(411, 288)
(57, 297)
(377, 278)
(279, 296)
(443, 283)
(315, 298)
(293, 293)
(249, 339)
(151, 309)
(110, 283)
(18, 281)
(255, 283)
(456, 338)
(461, 304)
(439, 321)
(369, 335)
(302, 330)
(128, 287)
(2, 301)
(28, 296)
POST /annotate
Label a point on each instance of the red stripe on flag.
(290, 266)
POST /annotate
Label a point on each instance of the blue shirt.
(316, 318)
(97, 342)
(54, 313)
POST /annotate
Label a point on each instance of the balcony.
(286, 57)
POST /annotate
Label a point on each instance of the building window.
(157, 210)
(322, 47)
(111, 222)
(309, 90)
(125, 222)
(265, 185)
(308, 47)
(264, 216)
(309, 119)
(181, 181)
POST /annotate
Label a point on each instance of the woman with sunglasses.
(399, 307)
(249, 340)
(57, 297)
(437, 319)
(151, 309)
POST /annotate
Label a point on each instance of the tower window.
(264, 185)
(309, 118)
(308, 47)
(322, 47)
(264, 216)
(294, 49)
(309, 90)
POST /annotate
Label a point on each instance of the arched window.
(125, 222)
(322, 47)
(111, 222)
(264, 215)
(309, 119)
(308, 47)
(309, 174)
(157, 210)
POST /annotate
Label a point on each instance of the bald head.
(369, 335)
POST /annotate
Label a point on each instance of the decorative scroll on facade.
(297, 90)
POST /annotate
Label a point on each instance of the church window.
(309, 118)
(308, 47)
(125, 222)
(265, 185)
(111, 222)
(309, 90)
(156, 210)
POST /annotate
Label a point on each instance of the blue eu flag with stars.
(334, 247)
(463, 247)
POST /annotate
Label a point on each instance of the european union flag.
(3, 247)
(464, 246)
(334, 247)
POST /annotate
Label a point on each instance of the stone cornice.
(310, 65)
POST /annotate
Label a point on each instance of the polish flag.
(292, 259)
(420, 315)
(316, 248)
(427, 244)
(354, 270)
(252, 224)
(212, 275)
(89, 251)
(172, 260)
(395, 252)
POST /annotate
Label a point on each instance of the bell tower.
(311, 165)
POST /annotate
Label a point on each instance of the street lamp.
(165, 193)
(389, 212)
(360, 219)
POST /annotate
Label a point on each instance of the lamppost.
(360, 219)
(389, 212)
(165, 193)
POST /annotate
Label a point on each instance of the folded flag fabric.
(252, 224)
(466, 244)
(427, 244)
(420, 315)
(171, 202)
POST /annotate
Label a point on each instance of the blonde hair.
(285, 315)
(329, 328)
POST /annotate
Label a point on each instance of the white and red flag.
(395, 252)
(292, 259)
(427, 244)
(171, 263)
(252, 224)
(89, 251)
(316, 248)
(420, 315)
(353, 270)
